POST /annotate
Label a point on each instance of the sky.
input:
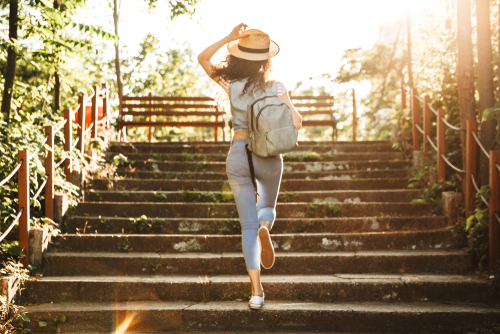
(312, 34)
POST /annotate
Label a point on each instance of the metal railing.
(23, 166)
(470, 170)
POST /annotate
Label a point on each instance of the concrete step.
(223, 149)
(318, 288)
(161, 316)
(292, 157)
(336, 196)
(227, 143)
(219, 185)
(323, 263)
(211, 148)
(228, 210)
(330, 175)
(215, 166)
(106, 224)
(299, 242)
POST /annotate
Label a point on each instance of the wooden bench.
(316, 105)
(171, 109)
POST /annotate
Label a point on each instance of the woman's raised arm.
(205, 57)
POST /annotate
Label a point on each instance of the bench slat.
(310, 97)
(166, 98)
(173, 113)
(168, 106)
(316, 112)
(313, 105)
(178, 124)
(314, 122)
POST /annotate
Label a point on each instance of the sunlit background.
(311, 34)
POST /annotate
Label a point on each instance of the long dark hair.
(234, 68)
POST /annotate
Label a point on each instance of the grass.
(301, 157)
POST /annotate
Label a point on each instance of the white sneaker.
(256, 302)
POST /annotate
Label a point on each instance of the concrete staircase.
(353, 254)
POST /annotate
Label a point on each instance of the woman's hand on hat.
(238, 32)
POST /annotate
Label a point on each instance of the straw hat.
(256, 46)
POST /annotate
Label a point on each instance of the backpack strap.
(252, 172)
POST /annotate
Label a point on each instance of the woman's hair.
(234, 68)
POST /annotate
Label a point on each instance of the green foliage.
(140, 223)
(319, 210)
(477, 228)
(288, 197)
(120, 160)
(155, 267)
(170, 175)
(157, 157)
(207, 197)
(160, 197)
(248, 295)
(185, 156)
(124, 245)
(301, 157)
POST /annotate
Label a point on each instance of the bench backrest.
(161, 106)
(313, 105)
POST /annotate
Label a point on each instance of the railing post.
(105, 103)
(95, 117)
(354, 116)
(216, 129)
(150, 133)
(49, 172)
(121, 128)
(68, 143)
(81, 123)
(415, 118)
(494, 206)
(427, 124)
(470, 165)
(403, 96)
(23, 179)
(441, 145)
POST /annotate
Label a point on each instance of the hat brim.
(232, 47)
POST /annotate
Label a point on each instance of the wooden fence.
(23, 166)
(470, 172)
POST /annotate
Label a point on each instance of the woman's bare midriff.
(240, 135)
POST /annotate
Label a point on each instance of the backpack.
(270, 127)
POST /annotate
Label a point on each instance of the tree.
(485, 84)
(465, 68)
(178, 8)
(10, 72)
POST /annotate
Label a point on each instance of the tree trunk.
(465, 68)
(391, 61)
(116, 17)
(485, 83)
(57, 85)
(408, 31)
(57, 92)
(10, 72)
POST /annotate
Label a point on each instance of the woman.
(244, 72)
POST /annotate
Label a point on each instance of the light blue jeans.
(251, 212)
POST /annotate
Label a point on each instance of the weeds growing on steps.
(185, 156)
(320, 211)
(207, 197)
(288, 197)
(124, 245)
(301, 157)
(140, 223)
(160, 197)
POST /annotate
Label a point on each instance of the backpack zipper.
(261, 110)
